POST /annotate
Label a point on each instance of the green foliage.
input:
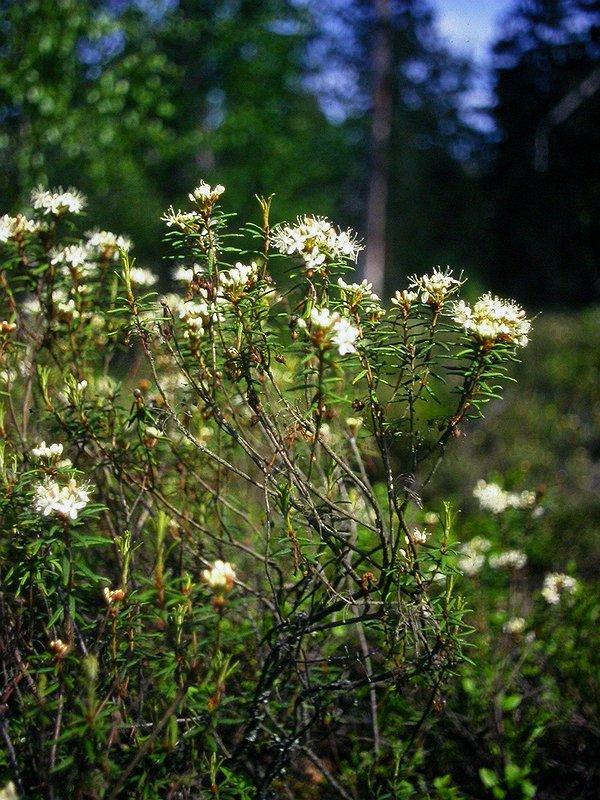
(85, 97)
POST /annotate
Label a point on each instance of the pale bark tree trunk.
(381, 124)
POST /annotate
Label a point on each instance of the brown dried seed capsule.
(59, 648)
(366, 580)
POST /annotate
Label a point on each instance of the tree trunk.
(380, 140)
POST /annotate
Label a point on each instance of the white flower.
(524, 499)
(200, 313)
(480, 544)
(31, 305)
(108, 244)
(220, 576)
(316, 240)
(435, 288)
(323, 318)
(183, 274)
(235, 280)
(354, 424)
(330, 328)
(81, 386)
(344, 336)
(68, 309)
(48, 451)
(555, 583)
(355, 293)
(494, 498)
(206, 195)
(64, 501)
(58, 201)
(106, 385)
(194, 315)
(472, 556)
(74, 255)
(510, 559)
(492, 320)
(184, 220)
(404, 299)
(142, 277)
(418, 536)
(514, 626)
(471, 562)
(12, 228)
(9, 792)
(175, 302)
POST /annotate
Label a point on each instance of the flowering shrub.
(211, 565)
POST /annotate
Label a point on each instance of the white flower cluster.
(434, 289)
(514, 626)
(510, 559)
(555, 584)
(330, 328)
(47, 451)
(100, 246)
(206, 195)
(187, 221)
(353, 294)
(13, 228)
(9, 792)
(234, 281)
(404, 300)
(73, 255)
(472, 556)
(142, 277)
(107, 245)
(183, 274)
(58, 201)
(354, 425)
(198, 314)
(494, 498)
(65, 305)
(221, 576)
(492, 320)
(419, 536)
(64, 501)
(175, 302)
(317, 241)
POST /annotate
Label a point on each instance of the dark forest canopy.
(134, 101)
(545, 184)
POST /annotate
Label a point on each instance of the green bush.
(217, 577)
